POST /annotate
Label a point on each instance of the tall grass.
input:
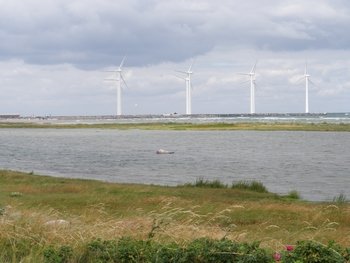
(162, 214)
(254, 186)
(293, 195)
(200, 182)
(340, 199)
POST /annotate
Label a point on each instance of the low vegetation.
(254, 186)
(293, 195)
(250, 186)
(257, 126)
(340, 199)
(199, 250)
(47, 219)
(201, 182)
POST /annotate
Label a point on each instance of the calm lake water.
(316, 164)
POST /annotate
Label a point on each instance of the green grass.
(254, 186)
(201, 182)
(340, 199)
(293, 195)
(251, 186)
(258, 126)
(181, 214)
(199, 250)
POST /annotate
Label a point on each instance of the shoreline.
(187, 126)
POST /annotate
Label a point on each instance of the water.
(195, 118)
(316, 164)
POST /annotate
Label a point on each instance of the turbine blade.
(305, 67)
(122, 63)
(244, 82)
(313, 83)
(189, 69)
(109, 71)
(245, 74)
(183, 72)
(178, 76)
(302, 78)
(254, 67)
(124, 81)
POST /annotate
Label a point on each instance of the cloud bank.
(53, 54)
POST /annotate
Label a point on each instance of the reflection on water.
(313, 163)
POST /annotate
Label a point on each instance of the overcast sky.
(54, 54)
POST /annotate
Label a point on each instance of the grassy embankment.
(108, 211)
(292, 126)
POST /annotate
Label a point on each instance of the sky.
(55, 55)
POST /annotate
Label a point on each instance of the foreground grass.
(257, 126)
(29, 204)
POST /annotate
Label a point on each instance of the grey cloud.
(94, 34)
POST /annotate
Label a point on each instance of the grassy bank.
(30, 204)
(257, 126)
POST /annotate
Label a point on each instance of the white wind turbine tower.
(188, 73)
(251, 75)
(119, 79)
(306, 76)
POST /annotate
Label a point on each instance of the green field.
(105, 210)
(258, 126)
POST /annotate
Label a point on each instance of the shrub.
(251, 186)
(340, 199)
(200, 251)
(200, 182)
(63, 254)
(100, 251)
(208, 250)
(124, 250)
(293, 195)
(244, 185)
(312, 252)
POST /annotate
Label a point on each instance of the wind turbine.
(119, 79)
(306, 76)
(251, 75)
(187, 79)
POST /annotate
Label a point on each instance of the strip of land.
(255, 126)
(56, 211)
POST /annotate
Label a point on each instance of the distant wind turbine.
(119, 79)
(306, 76)
(251, 75)
(187, 79)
